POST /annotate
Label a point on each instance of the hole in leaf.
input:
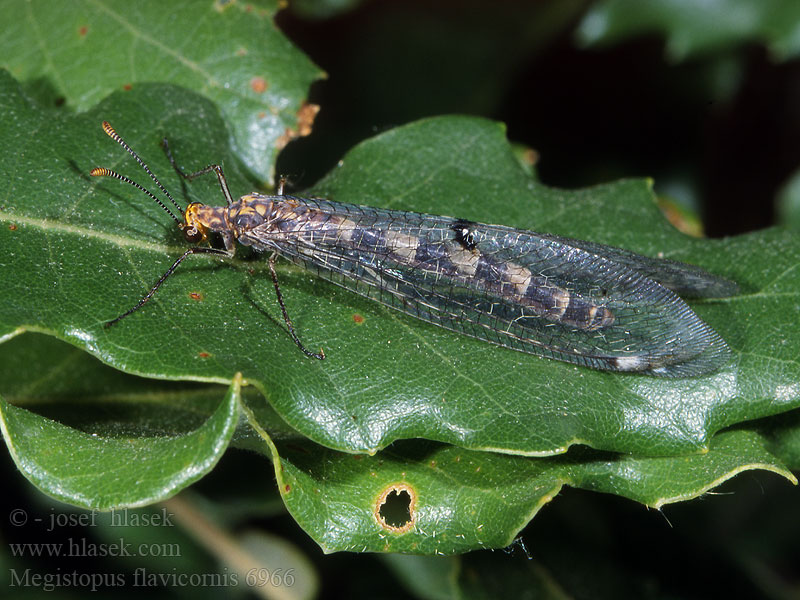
(396, 508)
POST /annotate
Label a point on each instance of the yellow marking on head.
(195, 227)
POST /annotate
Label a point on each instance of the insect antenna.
(100, 172)
(103, 172)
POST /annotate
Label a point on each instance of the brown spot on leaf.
(305, 118)
(358, 319)
(682, 220)
(127, 87)
(396, 508)
(241, 52)
(83, 30)
(203, 354)
(13, 227)
(288, 488)
(196, 296)
(258, 85)
(305, 122)
(288, 136)
(530, 156)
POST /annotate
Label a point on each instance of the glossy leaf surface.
(79, 251)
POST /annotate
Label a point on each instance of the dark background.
(718, 132)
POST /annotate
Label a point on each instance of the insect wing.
(681, 278)
(533, 293)
(546, 297)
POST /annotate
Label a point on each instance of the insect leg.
(286, 318)
(223, 183)
(163, 278)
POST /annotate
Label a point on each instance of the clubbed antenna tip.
(103, 172)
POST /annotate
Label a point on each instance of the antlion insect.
(571, 300)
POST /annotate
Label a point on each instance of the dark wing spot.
(464, 233)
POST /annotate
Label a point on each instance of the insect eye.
(192, 235)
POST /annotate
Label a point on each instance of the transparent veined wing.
(575, 301)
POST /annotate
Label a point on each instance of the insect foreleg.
(223, 183)
(163, 278)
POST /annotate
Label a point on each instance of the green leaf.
(89, 400)
(80, 251)
(231, 52)
(114, 471)
(693, 28)
(463, 499)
